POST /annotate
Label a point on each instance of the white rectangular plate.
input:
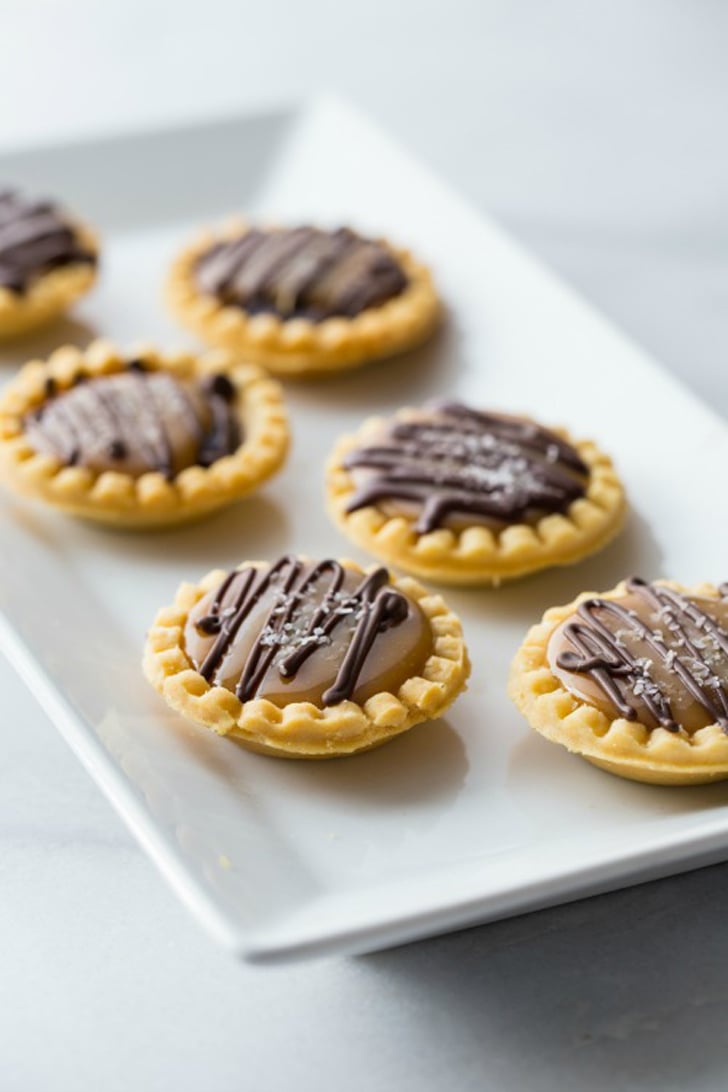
(462, 820)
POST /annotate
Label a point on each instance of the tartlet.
(463, 496)
(302, 301)
(304, 659)
(140, 440)
(47, 260)
(635, 680)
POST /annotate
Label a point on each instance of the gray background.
(596, 133)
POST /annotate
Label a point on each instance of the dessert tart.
(635, 681)
(463, 496)
(46, 262)
(307, 659)
(302, 301)
(140, 441)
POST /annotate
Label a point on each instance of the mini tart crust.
(297, 347)
(149, 500)
(478, 555)
(623, 747)
(51, 294)
(301, 729)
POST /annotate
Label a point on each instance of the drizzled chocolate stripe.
(223, 434)
(302, 272)
(374, 605)
(600, 653)
(34, 238)
(458, 460)
(150, 425)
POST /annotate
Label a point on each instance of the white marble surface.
(596, 132)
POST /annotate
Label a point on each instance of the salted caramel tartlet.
(463, 496)
(302, 301)
(635, 680)
(47, 261)
(307, 659)
(140, 440)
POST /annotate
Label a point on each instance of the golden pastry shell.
(623, 747)
(149, 500)
(301, 729)
(477, 554)
(50, 294)
(298, 347)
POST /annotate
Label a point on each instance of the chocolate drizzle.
(301, 621)
(301, 272)
(136, 421)
(34, 238)
(454, 460)
(688, 645)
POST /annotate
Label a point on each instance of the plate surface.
(460, 821)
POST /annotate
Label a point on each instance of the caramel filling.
(451, 466)
(136, 421)
(652, 656)
(311, 611)
(301, 272)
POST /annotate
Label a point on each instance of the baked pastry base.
(298, 348)
(478, 555)
(49, 296)
(623, 747)
(150, 500)
(301, 729)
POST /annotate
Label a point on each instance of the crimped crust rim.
(149, 499)
(302, 729)
(478, 555)
(298, 347)
(620, 744)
